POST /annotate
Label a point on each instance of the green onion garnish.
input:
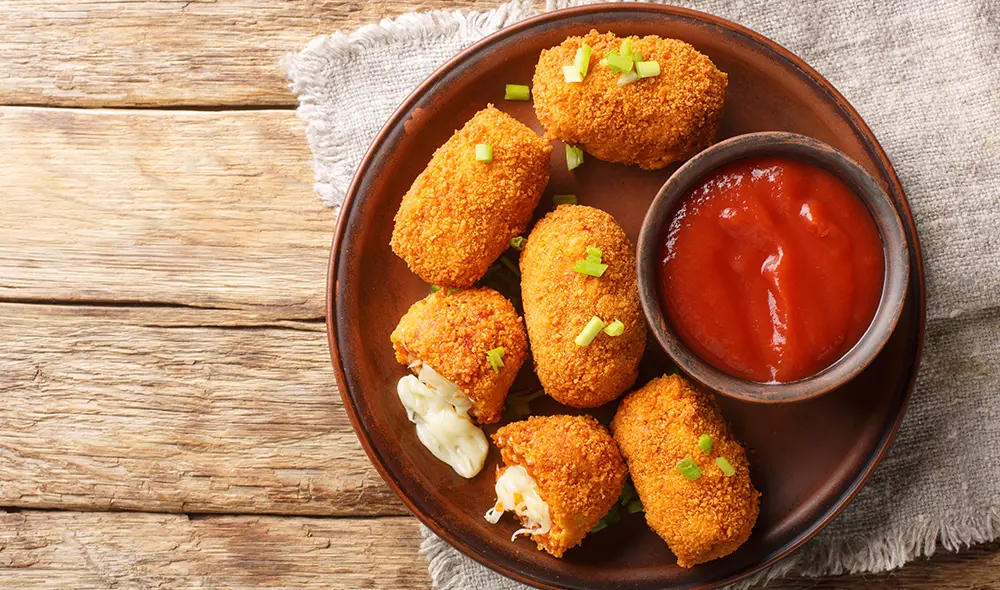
(725, 466)
(688, 469)
(518, 242)
(484, 153)
(705, 443)
(595, 253)
(517, 92)
(619, 63)
(615, 328)
(626, 47)
(518, 405)
(636, 56)
(574, 157)
(627, 78)
(435, 288)
(590, 331)
(582, 60)
(495, 358)
(634, 506)
(571, 74)
(587, 267)
(563, 200)
(647, 69)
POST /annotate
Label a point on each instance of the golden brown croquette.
(451, 333)
(559, 302)
(460, 214)
(657, 426)
(650, 122)
(577, 467)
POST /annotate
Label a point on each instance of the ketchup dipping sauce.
(771, 269)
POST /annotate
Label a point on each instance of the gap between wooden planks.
(101, 551)
(169, 53)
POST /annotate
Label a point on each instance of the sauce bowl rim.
(869, 192)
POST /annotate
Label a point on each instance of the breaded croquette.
(651, 122)
(562, 475)
(461, 213)
(452, 332)
(559, 302)
(700, 511)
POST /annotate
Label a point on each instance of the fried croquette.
(460, 213)
(658, 426)
(559, 302)
(651, 122)
(571, 468)
(452, 332)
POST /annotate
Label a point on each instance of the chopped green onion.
(619, 63)
(627, 493)
(634, 506)
(626, 47)
(563, 200)
(705, 443)
(518, 405)
(725, 466)
(510, 265)
(517, 92)
(636, 56)
(484, 153)
(627, 78)
(688, 469)
(571, 74)
(495, 358)
(582, 60)
(574, 157)
(615, 328)
(588, 267)
(518, 242)
(604, 61)
(590, 331)
(594, 252)
(435, 288)
(647, 69)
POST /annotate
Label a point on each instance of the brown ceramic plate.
(808, 458)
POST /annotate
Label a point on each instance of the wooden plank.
(174, 52)
(176, 410)
(977, 568)
(104, 551)
(207, 209)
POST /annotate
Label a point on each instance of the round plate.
(808, 459)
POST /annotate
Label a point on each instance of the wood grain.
(103, 551)
(94, 551)
(174, 52)
(176, 410)
(204, 209)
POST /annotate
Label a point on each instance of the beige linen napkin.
(925, 76)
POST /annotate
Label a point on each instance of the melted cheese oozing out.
(441, 413)
(518, 491)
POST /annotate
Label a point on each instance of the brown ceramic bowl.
(808, 458)
(887, 221)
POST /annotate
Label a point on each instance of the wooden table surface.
(169, 413)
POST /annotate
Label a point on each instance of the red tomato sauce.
(771, 269)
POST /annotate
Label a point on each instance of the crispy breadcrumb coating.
(558, 303)
(460, 214)
(650, 122)
(451, 332)
(658, 425)
(577, 467)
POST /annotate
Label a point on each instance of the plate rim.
(351, 198)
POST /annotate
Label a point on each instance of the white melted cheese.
(441, 412)
(518, 491)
